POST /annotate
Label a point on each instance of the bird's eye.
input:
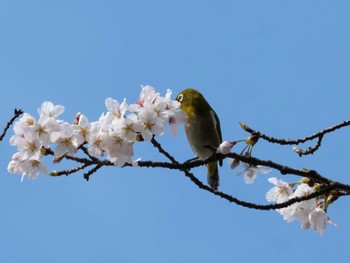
(180, 97)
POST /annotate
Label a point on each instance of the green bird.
(202, 129)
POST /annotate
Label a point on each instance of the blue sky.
(281, 67)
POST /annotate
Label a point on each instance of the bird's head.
(192, 102)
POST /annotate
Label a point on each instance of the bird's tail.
(213, 175)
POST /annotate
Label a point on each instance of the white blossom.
(28, 146)
(81, 129)
(147, 95)
(280, 193)
(129, 127)
(24, 125)
(48, 110)
(119, 150)
(95, 138)
(319, 220)
(225, 147)
(48, 122)
(33, 167)
(29, 167)
(26, 120)
(178, 117)
(65, 140)
(250, 172)
(300, 211)
(175, 115)
(115, 109)
(151, 124)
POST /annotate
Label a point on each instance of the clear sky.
(282, 67)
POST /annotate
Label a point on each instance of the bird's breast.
(202, 135)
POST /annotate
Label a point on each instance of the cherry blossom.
(280, 193)
(319, 220)
(225, 147)
(250, 172)
(65, 140)
(48, 110)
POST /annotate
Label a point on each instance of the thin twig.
(16, 114)
(318, 135)
(162, 151)
(93, 170)
(85, 150)
(307, 138)
(69, 171)
(49, 151)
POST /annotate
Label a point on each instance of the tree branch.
(330, 185)
(283, 169)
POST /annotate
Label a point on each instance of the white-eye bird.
(202, 129)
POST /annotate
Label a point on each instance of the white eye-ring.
(180, 97)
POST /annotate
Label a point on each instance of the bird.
(203, 131)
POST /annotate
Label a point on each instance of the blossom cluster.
(310, 213)
(112, 135)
